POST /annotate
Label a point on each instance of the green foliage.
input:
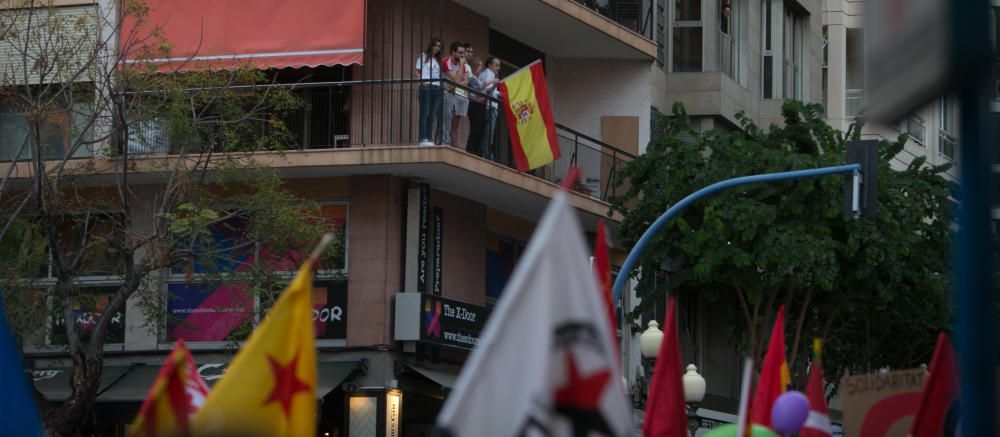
(861, 283)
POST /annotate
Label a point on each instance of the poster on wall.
(209, 312)
(329, 299)
(87, 309)
(288, 256)
(501, 256)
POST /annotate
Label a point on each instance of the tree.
(119, 166)
(860, 284)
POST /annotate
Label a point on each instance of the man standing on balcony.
(456, 102)
(489, 78)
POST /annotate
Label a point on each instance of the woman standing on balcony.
(430, 90)
(489, 78)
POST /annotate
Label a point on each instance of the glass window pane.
(687, 10)
(687, 49)
(767, 24)
(768, 77)
(13, 133)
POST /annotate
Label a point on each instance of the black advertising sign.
(329, 302)
(422, 257)
(438, 247)
(450, 322)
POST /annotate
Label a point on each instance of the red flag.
(774, 376)
(602, 268)
(818, 423)
(665, 415)
(177, 393)
(938, 411)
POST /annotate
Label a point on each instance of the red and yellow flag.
(177, 393)
(602, 268)
(774, 375)
(270, 387)
(529, 117)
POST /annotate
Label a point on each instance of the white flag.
(545, 364)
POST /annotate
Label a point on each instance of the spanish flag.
(529, 117)
(774, 375)
(177, 393)
(270, 387)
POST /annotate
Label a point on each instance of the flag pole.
(742, 418)
(323, 244)
(536, 61)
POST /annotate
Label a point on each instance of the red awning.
(261, 33)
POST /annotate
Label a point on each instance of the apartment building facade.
(444, 225)
(423, 227)
(933, 130)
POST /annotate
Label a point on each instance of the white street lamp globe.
(649, 341)
(694, 385)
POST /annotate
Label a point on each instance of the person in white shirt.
(456, 102)
(477, 109)
(430, 90)
(490, 81)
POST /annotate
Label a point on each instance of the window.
(207, 302)
(946, 135)
(826, 64)
(687, 36)
(915, 127)
(792, 53)
(730, 13)
(661, 33)
(60, 131)
(502, 254)
(767, 61)
(782, 54)
(88, 307)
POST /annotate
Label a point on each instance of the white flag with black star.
(545, 364)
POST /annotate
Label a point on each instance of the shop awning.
(258, 33)
(133, 386)
(54, 382)
(132, 383)
(443, 378)
(329, 374)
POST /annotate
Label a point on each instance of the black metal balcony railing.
(388, 113)
(854, 102)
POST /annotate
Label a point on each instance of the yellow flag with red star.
(270, 387)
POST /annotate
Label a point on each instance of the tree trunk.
(797, 339)
(65, 420)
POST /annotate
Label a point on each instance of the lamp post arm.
(640, 246)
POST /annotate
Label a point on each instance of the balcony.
(947, 145)
(354, 116)
(596, 29)
(854, 102)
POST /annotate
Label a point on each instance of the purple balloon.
(790, 412)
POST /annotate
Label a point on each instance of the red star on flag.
(580, 399)
(286, 384)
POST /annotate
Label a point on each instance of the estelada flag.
(665, 415)
(818, 422)
(938, 413)
(529, 117)
(270, 387)
(774, 375)
(177, 393)
(545, 363)
(602, 269)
